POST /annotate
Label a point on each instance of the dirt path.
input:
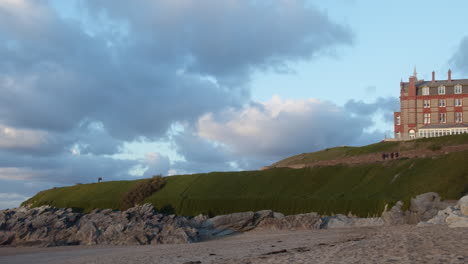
(398, 244)
(377, 157)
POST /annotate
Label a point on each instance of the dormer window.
(458, 89)
(425, 90)
(441, 89)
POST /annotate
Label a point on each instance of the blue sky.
(124, 90)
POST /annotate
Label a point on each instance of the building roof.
(437, 83)
(435, 126)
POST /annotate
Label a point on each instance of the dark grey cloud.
(226, 39)
(78, 88)
(383, 105)
(460, 57)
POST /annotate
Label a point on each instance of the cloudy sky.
(129, 89)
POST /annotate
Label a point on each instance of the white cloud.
(282, 127)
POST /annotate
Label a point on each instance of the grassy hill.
(377, 148)
(362, 189)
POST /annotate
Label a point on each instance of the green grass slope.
(363, 189)
(389, 146)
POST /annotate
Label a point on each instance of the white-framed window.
(398, 120)
(458, 89)
(427, 118)
(425, 90)
(441, 102)
(458, 117)
(441, 89)
(442, 117)
(412, 134)
(458, 102)
(427, 103)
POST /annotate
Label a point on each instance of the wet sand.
(398, 244)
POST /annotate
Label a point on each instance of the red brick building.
(432, 108)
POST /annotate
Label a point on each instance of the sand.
(397, 244)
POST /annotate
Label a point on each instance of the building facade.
(432, 108)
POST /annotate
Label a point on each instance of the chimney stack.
(412, 86)
(433, 76)
(450, 75)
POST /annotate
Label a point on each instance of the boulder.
(463, 205)
(395, 216)
(424, 207)
(336, 221)
(222, 225)
(452, 216)
(456, 219)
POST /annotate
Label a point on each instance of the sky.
(129, 89)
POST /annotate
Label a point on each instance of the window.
(427, 103)
(425, 91)
(441, 89)
(398, 120)
(427, 118)
(441, 102)
(458, 89)
(458, 117)
(458, 102)
(397, 135)
(412, 134)
(442, 117)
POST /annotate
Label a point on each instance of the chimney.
(433, 76)
(412, 86)
(450, 75)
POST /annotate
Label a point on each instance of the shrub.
(140, 191)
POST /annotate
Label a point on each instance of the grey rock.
(463, 205)
(452, 216)
(231, 223)
(291, 222)
(395, 216)
(424, 207)
(342, 221)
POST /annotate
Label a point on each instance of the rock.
(439, 219)
(452, 216)
(456, 219)
(336, 221)
(291, 222)
(463, 205)
(340, 221)
(395, 216)
(228, 224)
(424, 207)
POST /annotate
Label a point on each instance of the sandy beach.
(395, 244)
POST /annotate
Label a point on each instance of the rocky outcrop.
(142, 225)
(46, 226)
(422, 208)
(452, 216)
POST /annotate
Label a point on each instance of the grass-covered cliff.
(362, 189)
